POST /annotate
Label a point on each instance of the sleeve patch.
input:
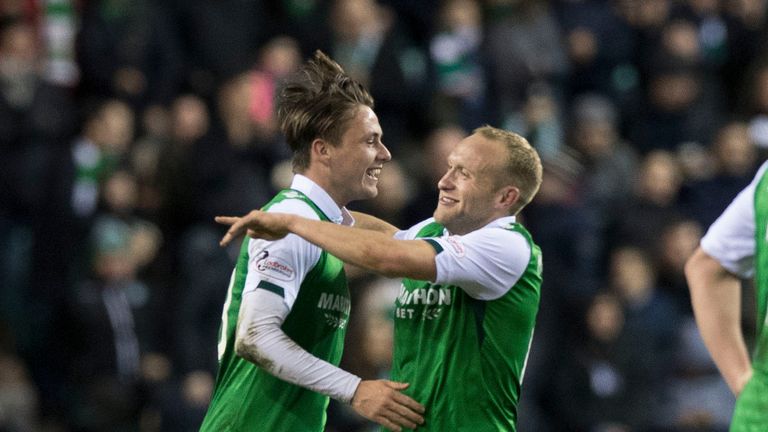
(455, 246)
(274, 267)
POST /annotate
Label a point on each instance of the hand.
(257, 224)
(382, 402)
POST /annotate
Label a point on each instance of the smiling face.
(471, 191)
(355, 163)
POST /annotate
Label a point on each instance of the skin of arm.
(716, 300)
(371, 250)
(368, 222)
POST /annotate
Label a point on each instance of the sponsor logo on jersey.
(433, 299)
(455, 246)
(335, 321)
(425, 296)
(274, 267)
(334, 302)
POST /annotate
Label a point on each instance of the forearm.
(371, 250)
(261, 340)
(716, 301)
(368, 222)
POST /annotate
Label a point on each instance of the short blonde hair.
(523, 166)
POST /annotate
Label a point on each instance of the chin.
(369, 193)
(365, 194)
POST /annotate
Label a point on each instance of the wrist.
(349, 398)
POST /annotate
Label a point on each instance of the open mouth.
(373, 173)
(448, 201)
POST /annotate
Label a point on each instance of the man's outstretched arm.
(716, 300)
(374, 251)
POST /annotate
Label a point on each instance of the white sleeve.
(261, 340)
(731, 238)
(485, 263)
(411, 232)
(282, 264)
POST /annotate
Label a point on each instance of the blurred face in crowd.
(659, 178)
(280, 57)
(681, 39)
(458, 14)
(605, 318)
(678, 242)
(355, 18)
(112, 127)
(356, 162)
(632, 275)
(735, 153)
(189, 119)
(595, 139)
(121, 192)
(470, 191)
(18, 49)
(674, 91)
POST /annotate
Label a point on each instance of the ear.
(320, 150)
(508, 197)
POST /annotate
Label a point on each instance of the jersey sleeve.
(731, 238)
(485, 263)
(260, 330)
(280, 266)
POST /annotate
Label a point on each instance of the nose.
(445, 182)
(384, 155)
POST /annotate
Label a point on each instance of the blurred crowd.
(127, 125)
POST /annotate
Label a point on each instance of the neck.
(324, 182)
(460, 229)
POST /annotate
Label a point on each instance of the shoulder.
(425, 228)
(511, 239)
(294, 206)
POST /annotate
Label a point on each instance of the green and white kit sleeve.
(276, 271)
(731, 238)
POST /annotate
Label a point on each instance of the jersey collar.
(313, 191)
(502, 222)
